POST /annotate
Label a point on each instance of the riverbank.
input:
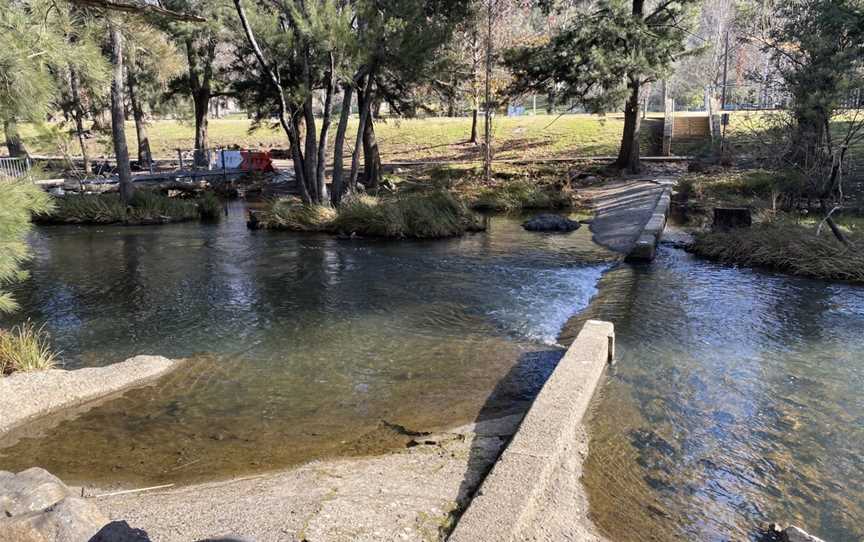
(30, 395)
(782, 224)
(418, 493)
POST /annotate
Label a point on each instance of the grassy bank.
(430, 139)
(146, 207)
(418, 215)
(25, 348)
(511, 188)
(786, 247)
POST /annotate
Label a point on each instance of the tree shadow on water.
(500, 416)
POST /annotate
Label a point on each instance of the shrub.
(784, 247)
(145, 206)
(786, 186)
(516, 195)
(25, 348)
(420, 215)
(417, 214)
(291, 215)
(209, 207)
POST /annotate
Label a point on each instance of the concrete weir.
(534, 491)
(645, 247)
(27, 396)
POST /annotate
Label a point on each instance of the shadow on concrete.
(500, 416)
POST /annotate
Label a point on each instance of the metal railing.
(13, 168)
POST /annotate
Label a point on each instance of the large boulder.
(31, 490)
(71, 520)
(35, 506)
(550, 222)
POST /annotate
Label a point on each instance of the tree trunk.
(487, 127)
(78, 115)
(628, 154)
(311, 148)
(284, 112)
(201, 103)
(118, 116)
(371, 154)
(371, 157)
(364, 105)
(200, 77)
(14, 144)
(145, 158)
(475, 82)
(326, 115)
(339, 143)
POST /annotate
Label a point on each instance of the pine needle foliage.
(18, 201)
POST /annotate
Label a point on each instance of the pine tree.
(604, 56)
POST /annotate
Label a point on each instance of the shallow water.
(300, 346)
(737, 400)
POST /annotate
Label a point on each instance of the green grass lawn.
(431, 139)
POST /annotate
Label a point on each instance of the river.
(736, 399)
(300, 346)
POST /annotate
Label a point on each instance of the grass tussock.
(789, 248)
(146, 207)
(517, 195)
(25, 348)
(431, 214)
(287, 214)
(743, 186)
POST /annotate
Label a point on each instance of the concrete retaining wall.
(513, 503)
(26, 396)
(646, 246)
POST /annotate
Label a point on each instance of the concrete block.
(508, 495)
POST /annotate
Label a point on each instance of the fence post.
(180, 157)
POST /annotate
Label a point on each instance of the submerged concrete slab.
(534, 491)
(27, 396)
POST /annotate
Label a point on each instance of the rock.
(71, 520)
(794, 534)
(120, 531)
(31, 490)
(549, 222)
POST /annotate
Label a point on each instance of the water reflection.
(300, 346)
(736, 402)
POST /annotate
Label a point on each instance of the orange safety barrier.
(256, 161)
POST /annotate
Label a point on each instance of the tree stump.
(727, 218)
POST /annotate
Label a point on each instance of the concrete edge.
(25, 397)
(645, 248)
(503, 504)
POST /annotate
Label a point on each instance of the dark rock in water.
(775, 533)
(551, 223)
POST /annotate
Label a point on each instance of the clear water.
(737, 400)
(300, 346)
